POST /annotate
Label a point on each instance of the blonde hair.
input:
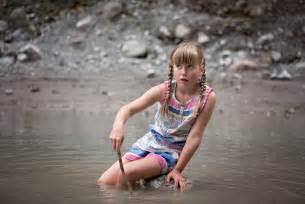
(185, 53)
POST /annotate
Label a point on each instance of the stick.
(123, 171)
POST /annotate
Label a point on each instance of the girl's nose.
(184, 70)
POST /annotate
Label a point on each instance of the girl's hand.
(179, 180)
(117, 138)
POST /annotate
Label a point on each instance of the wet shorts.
(165, 159)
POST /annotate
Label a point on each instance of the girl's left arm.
(193, 141)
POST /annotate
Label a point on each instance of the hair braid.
(164, 109)
(201, 94)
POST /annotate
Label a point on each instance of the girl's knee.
(107, 179)
(130, 173)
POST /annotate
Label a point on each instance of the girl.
(185, 106)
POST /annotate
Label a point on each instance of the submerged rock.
(160, 183)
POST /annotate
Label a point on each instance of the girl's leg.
(110, 176)
(135, 170)
(140, 169)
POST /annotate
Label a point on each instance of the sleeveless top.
(169, 133)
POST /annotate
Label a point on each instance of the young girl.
(185, 106)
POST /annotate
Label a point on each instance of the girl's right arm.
(151, 96)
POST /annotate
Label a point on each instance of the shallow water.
(55, 156)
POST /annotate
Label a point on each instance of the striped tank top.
(169, 133)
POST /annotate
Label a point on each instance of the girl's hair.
(185, 53)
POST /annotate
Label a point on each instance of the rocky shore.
(91, 36)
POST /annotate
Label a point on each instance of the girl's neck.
(184, 90)
(184, 94)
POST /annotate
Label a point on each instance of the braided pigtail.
(201, 94)
(164, 108)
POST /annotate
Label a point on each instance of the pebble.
(134, 48)
(284, 75)
(85, 22)
(203, 38)
(8, 92)
(150, 73)
(182, 31)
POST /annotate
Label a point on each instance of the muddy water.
(55, 156)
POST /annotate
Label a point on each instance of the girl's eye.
(190, 66)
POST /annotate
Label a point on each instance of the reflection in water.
(56, 157)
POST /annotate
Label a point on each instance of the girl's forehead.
(186, 56)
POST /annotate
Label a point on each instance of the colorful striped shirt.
(168, 134)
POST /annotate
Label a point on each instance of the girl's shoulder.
(165, 90)
(209, 93)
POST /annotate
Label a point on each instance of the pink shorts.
(162, 162)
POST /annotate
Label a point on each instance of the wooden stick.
(123, 171)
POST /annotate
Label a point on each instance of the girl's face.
(187, 74)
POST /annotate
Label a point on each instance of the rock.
(112, 10)
(226, 58)
(17, 35)
(203, 38)
(182, 31)
(22, 57)
(18, 13)
(85, 22)
(134, 48)
(160, 183)
(256, 11)
(300, 66)
(33, 52)
(165, 33)
(237, 77)
(276, 56)
(76, 41)
(243, 65)
(34, 89)
(265, 38)
(284, 75)
(3, 26)
(273, 75)
(7, 61)
(150, 73)
(8, 92)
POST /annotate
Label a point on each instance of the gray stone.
(160, 183)
(284, 75)
(112, 10)
(3, 26)
(134, 48)
(182, 31)
(165, 32)
(18, 13)
(256, 11)
(203, 38)
(8, 92)
(7, 61)
(273, 75)
(276, 56)
(85, 22)
(300, 66)
(243, 65)
(150, 73)
(265, 38)
(22, 57)
(33, 52)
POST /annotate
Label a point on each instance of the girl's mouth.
(184, 80)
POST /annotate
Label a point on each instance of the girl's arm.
(151, 96)
(193, 141)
